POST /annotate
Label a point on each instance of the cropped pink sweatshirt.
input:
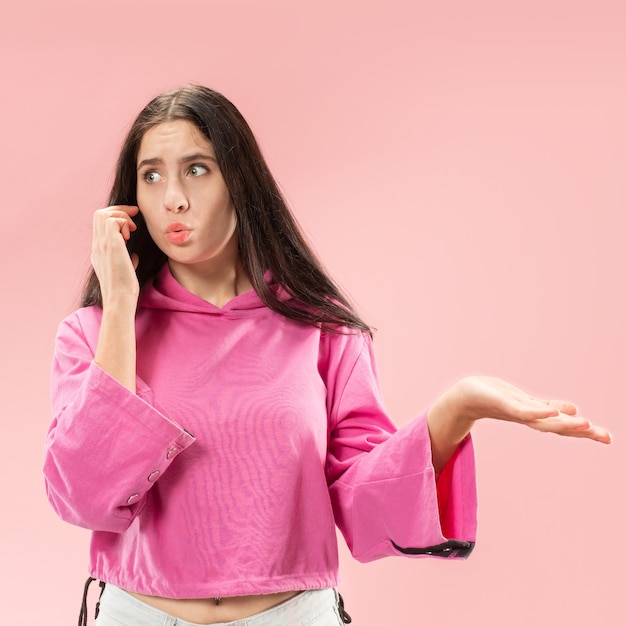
(249, 438)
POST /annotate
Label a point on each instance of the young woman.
(216, 407)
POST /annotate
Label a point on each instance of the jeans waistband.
(302, 608)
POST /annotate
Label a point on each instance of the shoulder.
(341, 348)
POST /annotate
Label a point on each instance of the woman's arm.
(116, 353)
(381, 480)
(452, 415)
(107, 444)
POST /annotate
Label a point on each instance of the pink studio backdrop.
(459, 166)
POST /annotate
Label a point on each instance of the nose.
(175, 199)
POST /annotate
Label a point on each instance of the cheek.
(141, 197)
(222, 213)
(231, 221)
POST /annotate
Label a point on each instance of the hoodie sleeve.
(383, 489)
(106, 446)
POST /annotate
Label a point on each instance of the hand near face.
(113, 265)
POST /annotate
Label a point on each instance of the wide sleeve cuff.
(105, 450)
(390, 503)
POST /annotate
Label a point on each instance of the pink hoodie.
(250, 436)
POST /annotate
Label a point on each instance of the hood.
(166, 293)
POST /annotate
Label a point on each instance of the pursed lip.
(176, 227)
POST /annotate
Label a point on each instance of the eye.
(198, 170)
(152, 177)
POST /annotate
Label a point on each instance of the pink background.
(459, 166)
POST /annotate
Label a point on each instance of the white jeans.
(309, 608)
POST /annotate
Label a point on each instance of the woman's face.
(183, 197)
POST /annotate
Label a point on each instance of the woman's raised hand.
(481, 397)
(451, 416)
(113, 265)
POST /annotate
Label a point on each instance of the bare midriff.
(207, 611)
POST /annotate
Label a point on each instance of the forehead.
(174, 137)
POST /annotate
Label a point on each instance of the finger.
(102, 215)
(560, 424)
(568, 426)
(595, 433)
(106, 223)
(115, 225)
(135, 260)
(117, 211)
(551, 408)
(529, 409)
(130, 209)
(564, 406)
(117, 215)
(602, 435)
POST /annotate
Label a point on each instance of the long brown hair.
(268, 234)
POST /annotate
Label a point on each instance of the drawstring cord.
(345, 618)
(82, 617)
(102, 585)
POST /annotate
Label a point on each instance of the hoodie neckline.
(165, 292)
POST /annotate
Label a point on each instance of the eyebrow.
(198, 156)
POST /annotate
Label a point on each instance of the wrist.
(461, 400)
(451, 412)
(120, 303)
(448, 424)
